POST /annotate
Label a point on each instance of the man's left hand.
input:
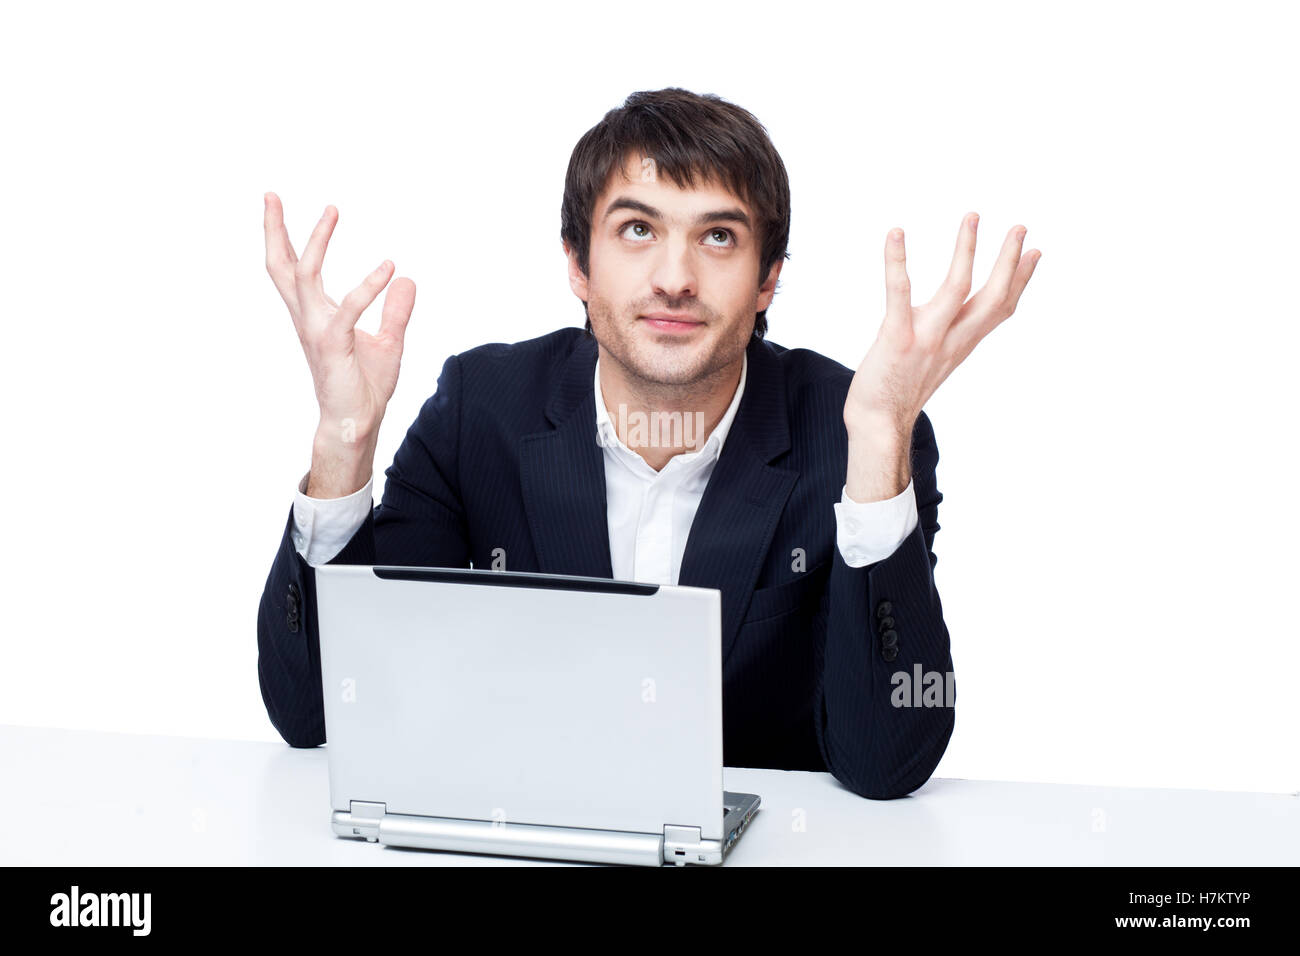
(917, 348)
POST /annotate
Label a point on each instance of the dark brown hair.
(688, 136)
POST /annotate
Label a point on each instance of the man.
(804, 492)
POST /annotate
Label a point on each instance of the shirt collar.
(712, 445)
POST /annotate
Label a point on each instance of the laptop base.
(677, 845)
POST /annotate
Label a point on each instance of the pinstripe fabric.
(502, 463)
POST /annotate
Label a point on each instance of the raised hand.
(917, 348)
(354, 372)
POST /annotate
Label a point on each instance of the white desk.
(81, 798)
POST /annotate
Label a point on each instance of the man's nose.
(675, 274)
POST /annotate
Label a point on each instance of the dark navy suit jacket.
(504, 455)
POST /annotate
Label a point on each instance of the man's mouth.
(671, 322)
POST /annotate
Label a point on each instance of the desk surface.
(82, 798)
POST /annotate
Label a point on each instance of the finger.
(398, 304)
(979, 322)
(280, 257)
(956, 287)
(307, 271)
(1028, 263)
(898, 288)
(995, 291)
(359, 299)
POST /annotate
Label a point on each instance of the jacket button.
(884, 609)
(889, 639)
(885, 624)
(889, 653)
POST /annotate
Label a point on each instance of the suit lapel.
(745, 496)
(562, 475)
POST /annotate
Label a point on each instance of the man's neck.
(658, 421)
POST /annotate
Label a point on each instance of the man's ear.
(577, 280)
(768, 288)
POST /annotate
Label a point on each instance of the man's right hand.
(354, 372)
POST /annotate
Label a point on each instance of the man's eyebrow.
(727, 215)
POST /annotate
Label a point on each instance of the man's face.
(673, 284)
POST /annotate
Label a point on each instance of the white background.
(1118, 460)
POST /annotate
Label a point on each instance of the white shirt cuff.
(870, 531)
(323, 526)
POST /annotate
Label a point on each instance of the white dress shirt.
(649, 512)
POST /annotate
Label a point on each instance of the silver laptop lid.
(522, 698)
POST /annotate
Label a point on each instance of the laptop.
(532, 715)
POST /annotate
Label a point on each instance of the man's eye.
(636, 225)
(725, 233)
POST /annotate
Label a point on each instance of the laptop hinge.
(361, 820)
(683, 845)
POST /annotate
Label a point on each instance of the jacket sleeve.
(419, 523)
(880, 734)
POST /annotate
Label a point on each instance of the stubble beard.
(673, 373)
